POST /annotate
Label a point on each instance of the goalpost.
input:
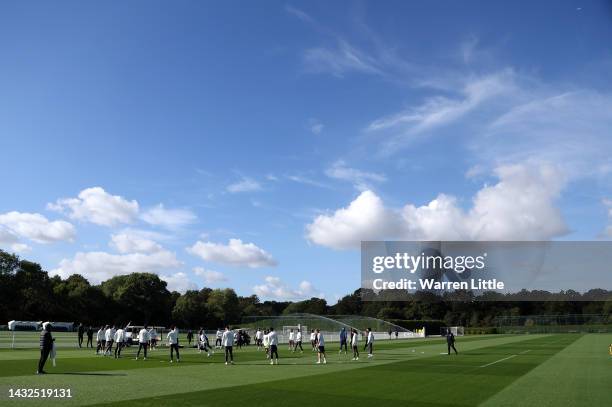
(456, 330)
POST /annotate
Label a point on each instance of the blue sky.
(277, 135)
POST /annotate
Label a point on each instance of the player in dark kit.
(450, 341)
(46, 344)
(89, 337)
(81, 332)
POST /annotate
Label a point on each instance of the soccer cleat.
(324, 361)
(271, 362)
(171, 361)
(225, 363)
(136, 358)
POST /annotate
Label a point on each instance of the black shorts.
(322, 349)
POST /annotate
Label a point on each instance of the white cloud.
(100, 266)
(10, 241)
(366, 218)
(274, 288)
(301, 179)
(244, 185)
(316, 127)
(361, 179)
(339, 60)
(97, 206)
(209, 276)
(519, 207)
(36, 227)
(130, 243)
(440, 111)
(168, 218)
(298, 13)
(235, 253)
(571, 129)
(179, 282)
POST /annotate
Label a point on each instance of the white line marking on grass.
(525, 351)
(497, 361)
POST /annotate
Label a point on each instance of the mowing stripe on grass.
(423, 381)
(93, 381)
(500, 360)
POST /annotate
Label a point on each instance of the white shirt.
(266, 340)
(320, 339)
(355, 339)
(273, 338)
(108, 335)
(313, 336)
(119, 335)
(100, 334)
(298, 337)
(143, 336)
(152, 334)
(258, 334)
(370, 337)
(219, 334)
(173, 336)
(291, 336)
(228, 338)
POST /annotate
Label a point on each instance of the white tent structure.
(24, 325)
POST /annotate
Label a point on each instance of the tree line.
(27, 292)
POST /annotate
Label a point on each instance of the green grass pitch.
(498, 370)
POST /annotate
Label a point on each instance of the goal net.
(456, 330)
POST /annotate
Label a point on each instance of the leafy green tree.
(224, 307)
(143, 297)
(191, 309)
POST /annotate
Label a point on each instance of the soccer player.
(610, 349)
(450, 341)
(343, 341)
(46, 344)
(153, 338)
(100, 340)
(370, 343)
(298, 341)
(266, 343)
(218, 340)
(110, 338)
(119, 341)
(105, 338)
(173, 342)
(227, 340)
(81, 332)
(143, 342)
(89, 337)
(203, 344)
(273, 338)
(189, 337)
(258, 336)
(355, 344)
(313, 340)
(291, 339)
(320, 341)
